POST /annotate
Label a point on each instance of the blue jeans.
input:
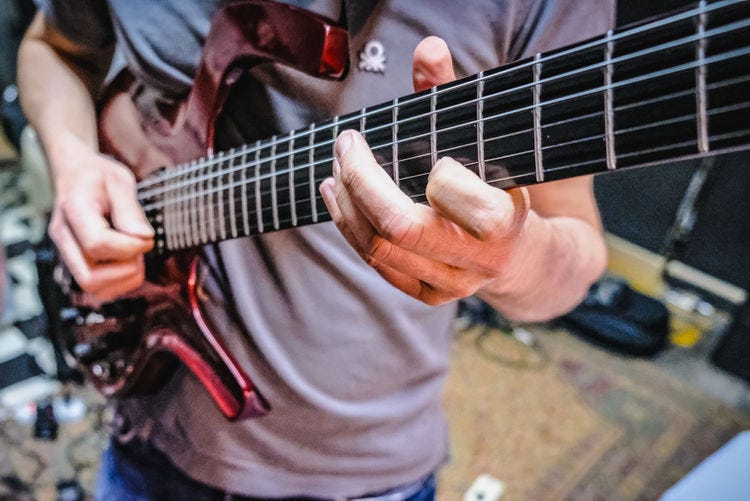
(138, 472)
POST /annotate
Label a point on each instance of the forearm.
(56, 84)
(549, 270)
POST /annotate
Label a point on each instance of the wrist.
(68, 157)
(550, 269)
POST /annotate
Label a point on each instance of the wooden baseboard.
(643, 270)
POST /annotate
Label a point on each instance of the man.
(354, 374)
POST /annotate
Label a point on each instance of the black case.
(615, 316)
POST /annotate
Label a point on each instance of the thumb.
(127, 214)
(432, 65)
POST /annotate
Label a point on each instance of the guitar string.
(322, 210)
(192, 167)
(304, 186)
(181, 171)
(659, 99)
(597, 137)
(203, 162)
(673, 120)
(690, 143)
(189, 182)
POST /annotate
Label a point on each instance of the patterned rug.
(587, 425)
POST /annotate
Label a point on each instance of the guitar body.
(132, 345)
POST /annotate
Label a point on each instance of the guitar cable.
(530, 354)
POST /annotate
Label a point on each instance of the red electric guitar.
(666, 89)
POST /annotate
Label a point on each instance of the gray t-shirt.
(354, 369)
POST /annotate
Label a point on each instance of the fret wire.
(713, 59)
(433, 125)
(212, 220)
(715, 31)
(178, 214)
(573, 50)
(220, 182)
(570, 51)
(700, 84)
(537, 114)
(232, 197)
(245, 216)
(311, 173)
(167, 211)
(292, 204)
(394, 142)
(274, 195)
(258, 202)
(335, 130)
(480, 126)
(591, 138)
(175, 217)
(194, 240)
(362, 121)
(185, 216)
(744, 132)
(609, 114)
(203, 215)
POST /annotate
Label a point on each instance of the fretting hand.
(462, 241)
(472, 238)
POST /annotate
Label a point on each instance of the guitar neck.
(660, 91)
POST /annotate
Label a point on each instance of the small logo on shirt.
(372, 57)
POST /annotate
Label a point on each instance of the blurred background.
(621, 399)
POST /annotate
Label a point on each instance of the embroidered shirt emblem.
(372, 57)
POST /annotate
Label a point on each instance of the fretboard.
(669, 89)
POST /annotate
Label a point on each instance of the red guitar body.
(132, 345)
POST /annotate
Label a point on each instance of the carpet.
(585, 425)
(580, 424)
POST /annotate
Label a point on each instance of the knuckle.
(67, 207)
(401, 229)
(87, 282)
(121, 174)
(461, 289)
(95, 247)
(433, 299)
(492, 221)
(430, 296)
(379, 248)
(56, 228)
(441, 178)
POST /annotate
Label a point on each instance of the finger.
(126, 213)
(411, 286)
(123, 286)
(375, 250)
(406, 283)
(432, 64)
(392, 213)
(91, 277)
(487, 213)
(97, 240)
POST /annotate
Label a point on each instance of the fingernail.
(343, 142)
(326, 191)
(336, 169)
